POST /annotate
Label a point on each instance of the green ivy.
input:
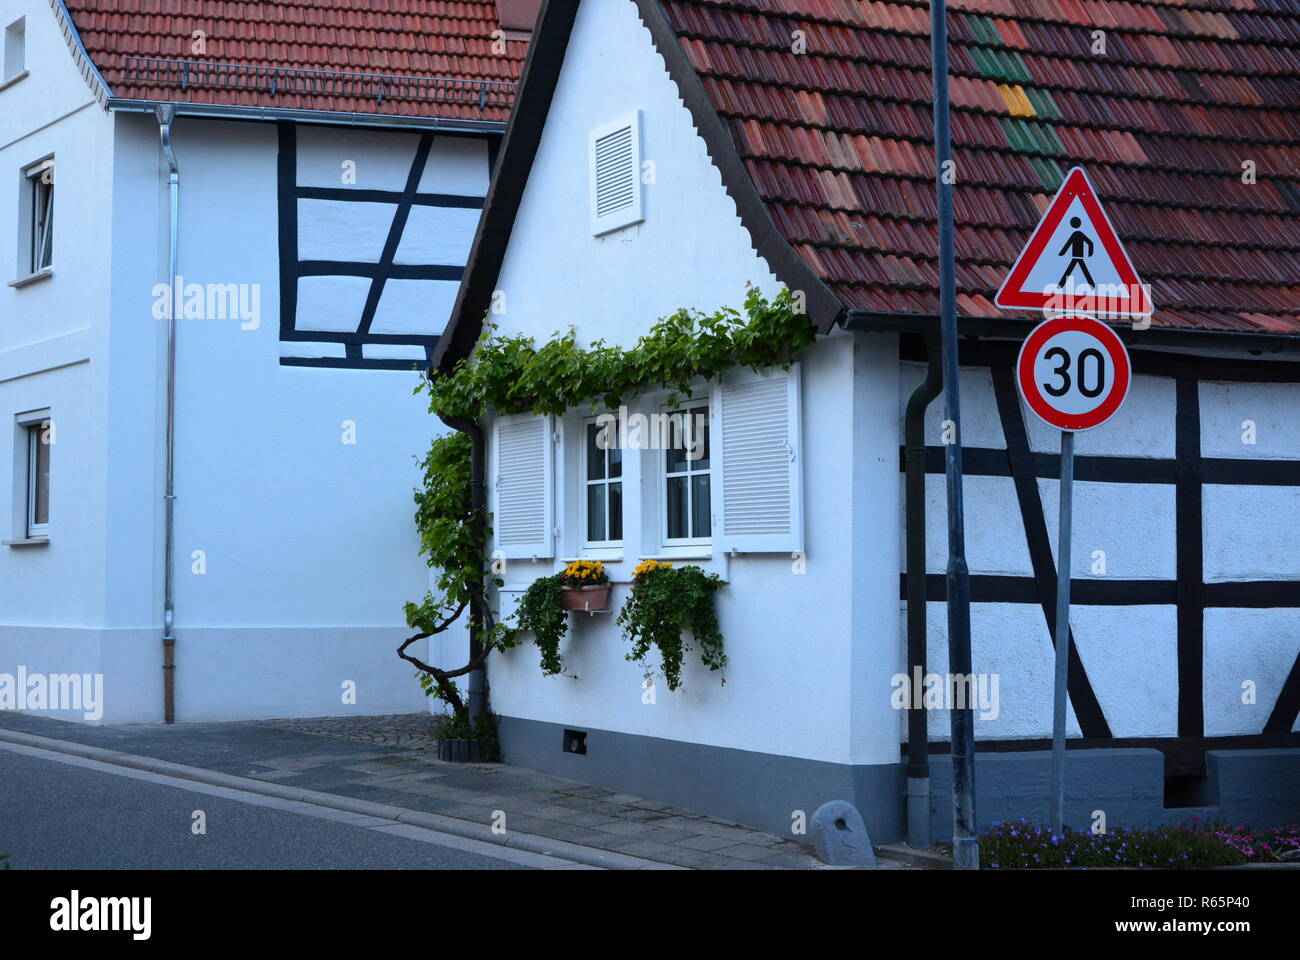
(449, 543)
(513, 374)
(665, 604)
(541, 613)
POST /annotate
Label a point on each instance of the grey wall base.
(756, 789)
(764, 790)
(1242, 786)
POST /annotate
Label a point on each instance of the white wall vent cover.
(614, 159)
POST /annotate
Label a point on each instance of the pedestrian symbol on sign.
(1075, 245)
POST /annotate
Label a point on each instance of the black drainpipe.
(918, 737)
(477, 503)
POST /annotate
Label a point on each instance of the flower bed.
(1019, 844)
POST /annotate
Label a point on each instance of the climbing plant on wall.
(513, 374)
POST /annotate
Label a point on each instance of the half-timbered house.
(789, 142)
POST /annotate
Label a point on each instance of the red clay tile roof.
(394, 38)
(837, 140)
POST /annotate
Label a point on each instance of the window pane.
(674, 441)
(596, 512)
(595, 455)
(47, 229)
(701, 514)
(700, 438)
(615, 455)
(616, 511)
(41, 492)
(677, 506)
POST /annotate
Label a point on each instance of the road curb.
(590, 856)
(901, 852)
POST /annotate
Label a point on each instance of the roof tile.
(838, 140)
(446, 39)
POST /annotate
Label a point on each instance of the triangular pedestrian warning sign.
(1074, 262)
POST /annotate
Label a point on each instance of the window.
(38, 436)
(36, 246)
(614, 162)
(602, 503)
(15, 50)
(688, 510)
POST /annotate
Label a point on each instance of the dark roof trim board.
(824, 308)
(518, 150)
(1013, 328)
(527, 121)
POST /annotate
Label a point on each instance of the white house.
(328, 165)
(782, 144)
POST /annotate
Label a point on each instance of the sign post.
(1064, 528)
(1073, 372)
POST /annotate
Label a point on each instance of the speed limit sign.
(1073, 372)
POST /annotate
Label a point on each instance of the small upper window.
(15, 53)
(38, 217)
(39, 438)
(688, 509)
(603, 472)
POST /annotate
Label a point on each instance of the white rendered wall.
(53, 352)
(308, 542)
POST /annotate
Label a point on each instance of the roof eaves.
(98, 86)
(218, 111)
(869, 321)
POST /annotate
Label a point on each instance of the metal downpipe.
(166, 114)
(918, 735)
(477, 701)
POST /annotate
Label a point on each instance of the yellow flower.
(646, 566)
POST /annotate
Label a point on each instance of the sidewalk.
(390, 761)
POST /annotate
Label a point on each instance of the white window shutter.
(614, 162)
(523, 487)
(759, 440)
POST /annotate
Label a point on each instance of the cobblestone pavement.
(402, 730)
(389, 760)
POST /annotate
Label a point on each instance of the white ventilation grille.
(523, 487)
(762, 489)
(615, 174)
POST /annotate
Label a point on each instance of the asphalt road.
(57, 816)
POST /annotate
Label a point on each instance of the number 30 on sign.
(1073, 372)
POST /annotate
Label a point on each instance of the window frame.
(585, 482)
(28, 427)
(701, 402)
(40, 217)
(13, 56)
(35, 528)
(36, 203)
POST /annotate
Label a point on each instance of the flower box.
(590, 598)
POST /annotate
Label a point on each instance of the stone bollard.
(840, 836)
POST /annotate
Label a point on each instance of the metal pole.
(1062, 630)
(166, 115)
(964, 838)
